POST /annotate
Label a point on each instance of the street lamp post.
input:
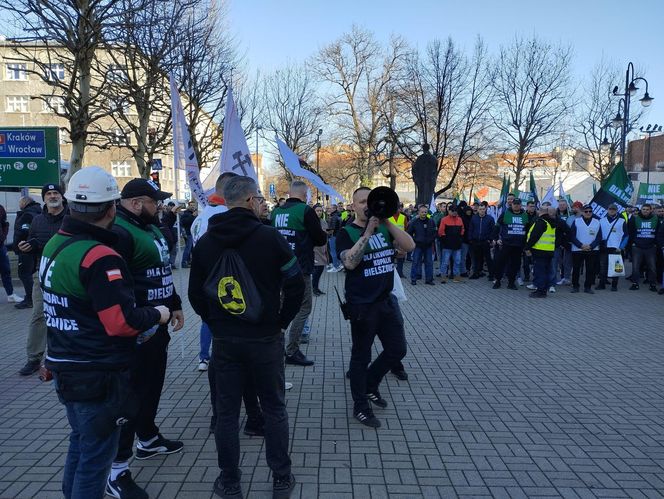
(258, 129)
(630, 91)
(320, 132)
(649, 130)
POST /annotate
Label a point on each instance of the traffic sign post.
(29, 156)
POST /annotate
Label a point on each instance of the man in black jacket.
(187, 218)
(240, 346)
(301, 228)
(642, 230)
(5, 268)
(26, 261)
(43, 227)
(423, 230)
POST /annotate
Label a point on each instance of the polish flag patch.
(114, 275)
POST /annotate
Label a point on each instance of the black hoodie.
(268, 258)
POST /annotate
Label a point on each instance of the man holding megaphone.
(367, 248)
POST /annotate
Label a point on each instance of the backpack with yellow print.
(232, 288)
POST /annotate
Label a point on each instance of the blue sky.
(271, 33)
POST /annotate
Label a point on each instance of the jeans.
(422, 255)
(400, 266)
(205, 341)
(174, 249)
(508, 262)
(382, 319)
(542, 271)
(647, 255)
(186, 253)
(527, 262)
(482, 253)
(464, 257)
(297, 324)
(37, 328)
(26, 265)
(318, 272)
(445, 261)
(6, 271)
(148, 371)
(333, 251)
(579, 259)
(89, 457)
(235, 359)
(562, 259)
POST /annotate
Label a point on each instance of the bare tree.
(446, 97)
(592, 124)
(291, 109)
(60, 43)
(137, 96)
(359, 71)
(534, 95)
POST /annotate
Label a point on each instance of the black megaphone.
(382, 203)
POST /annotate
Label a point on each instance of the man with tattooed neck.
(367, 248)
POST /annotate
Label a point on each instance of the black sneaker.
(496, 285)
(600, 287)
(282, 486)
(575, 290)
(255, 427)
(32, 366)
(24, 304)
(589, 291)
(634, 287)
(367, 418)
(512, 286)
(401, 374)
(298, 359)
(158, 447)
(653, 288)
(230, 490)
(304, 339)
(376, 399)
(124, 487)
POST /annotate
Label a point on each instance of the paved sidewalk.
(507, 397)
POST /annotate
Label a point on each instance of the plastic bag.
(616, 266)
(398, 290)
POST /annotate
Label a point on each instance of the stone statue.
(425, 173)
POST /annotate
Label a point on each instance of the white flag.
(292, 162)
(432, 205)
(549, 197)
(184, 155)
(561, 191)
(235, 155)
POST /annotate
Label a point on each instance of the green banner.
(29, 156)
(617, 188)
(650, 193)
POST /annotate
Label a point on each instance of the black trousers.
(508, 262)
(26, 264)
(481, 254)
(315, 278)
(382, 319)
(148, 371)
(249, 395)
(236, 359)
(587, 259)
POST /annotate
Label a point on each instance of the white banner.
(235, 155)
(184, 157)
(292, 162)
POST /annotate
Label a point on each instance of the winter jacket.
(43, 227)
(320, 252)
(334, 223)
(269, 260)
(511, 228)
(187, 218)
(642, 231)
(423, 232)
(481, 228)
(4, 225)
(451, 232)
(23, 222)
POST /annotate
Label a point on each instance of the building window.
(55, 72)
(121, 169)
(118, 105)
(116, 73)
(54, 104)
(62, 136)
(17, 72)
(18, 104)
(120, 138)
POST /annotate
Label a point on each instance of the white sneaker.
(288, 385)
(552, 289)
(14, 298)
(531, 287)
(561, 282)
(519, 281)
(330, 268)
(203, 365)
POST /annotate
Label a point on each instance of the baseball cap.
(142, 187)
(516, 201)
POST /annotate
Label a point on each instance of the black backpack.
(232, 288)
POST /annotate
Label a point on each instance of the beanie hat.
(51, 187)
(577, 204)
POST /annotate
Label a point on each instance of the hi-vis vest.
(400, 221)
(547, 241)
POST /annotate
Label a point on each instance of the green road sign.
(29, 156)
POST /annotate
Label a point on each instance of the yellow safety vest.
(344, 215)
(547, 241)
(400, 221)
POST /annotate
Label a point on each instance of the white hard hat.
(92, 185)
